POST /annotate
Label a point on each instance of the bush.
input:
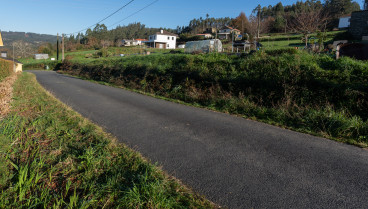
(6, 68)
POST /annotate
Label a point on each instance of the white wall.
(169, 40)
(344, 22)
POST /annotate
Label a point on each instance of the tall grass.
(53, 158)
(310, 93)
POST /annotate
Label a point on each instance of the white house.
(344, 21)
(162, 40)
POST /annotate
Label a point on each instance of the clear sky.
(69, 16)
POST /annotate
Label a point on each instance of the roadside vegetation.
(6, 68)
(53, 158)
(306, 92)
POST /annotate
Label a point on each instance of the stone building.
(359, 25)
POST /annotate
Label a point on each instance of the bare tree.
(308, 22)
(255, 27)
(23, 49)
(106, 43)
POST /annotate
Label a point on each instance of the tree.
(337, 8)
(255, 28)
(308, 22)
(258, 10)
(241, 23)
(22, 49)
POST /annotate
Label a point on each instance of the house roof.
(228, 27)
(139, 39)
(349, 15)
(164, 32)
(10, 59)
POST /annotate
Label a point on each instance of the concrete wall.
(18, 67)
(359, 24)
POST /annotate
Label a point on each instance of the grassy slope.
(52, 157)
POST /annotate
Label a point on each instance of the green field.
(279, 41)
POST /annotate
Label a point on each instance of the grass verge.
(52, 157)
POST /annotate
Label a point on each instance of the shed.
(205, 46)
(41, 56)
(4, 54)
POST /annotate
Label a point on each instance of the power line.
(131, 1)
(133, 13)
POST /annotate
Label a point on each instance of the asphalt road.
(236, 163)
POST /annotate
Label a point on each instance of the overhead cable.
(134, 13)
(131, 1)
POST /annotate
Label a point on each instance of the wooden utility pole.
(14, 69)
(57, 48)
(62, 48)
(259, 22)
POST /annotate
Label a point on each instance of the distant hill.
(33, 38)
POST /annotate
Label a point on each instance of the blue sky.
(69, 16)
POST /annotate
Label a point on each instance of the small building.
(1, 40)
(344, 21)
(41, 56)
(205, 35)
(4, 54)
(359, 25)
(126, 42)
(162, 40)
(140, 41)
(227, 32)
(205, 46)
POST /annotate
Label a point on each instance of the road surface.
(234, 162)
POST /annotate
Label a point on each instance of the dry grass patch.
(6, 94)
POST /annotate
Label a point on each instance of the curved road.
(236, 163)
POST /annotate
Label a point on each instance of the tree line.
(302, 17)
(277, 18)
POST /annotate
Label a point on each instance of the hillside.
(33, 38)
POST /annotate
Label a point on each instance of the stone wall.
(359, 24)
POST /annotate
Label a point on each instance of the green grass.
(280, 41)
(305, 92)
(88, 56)
(53, 158)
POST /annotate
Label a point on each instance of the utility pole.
(13, 59)
(232, 45)
(57, 48)
(62, 49)
(259, 22)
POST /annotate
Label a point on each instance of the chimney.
(162, 31)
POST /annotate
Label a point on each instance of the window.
(168, 45)
(172, 38)
(168, 38)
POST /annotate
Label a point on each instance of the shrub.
(6, 68)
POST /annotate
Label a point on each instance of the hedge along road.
(234, 162)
